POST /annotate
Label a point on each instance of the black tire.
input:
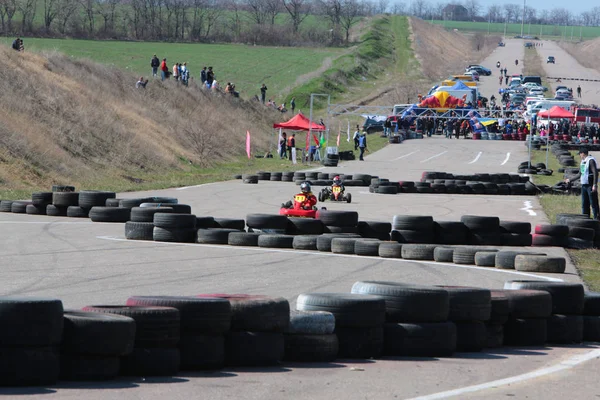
(525, 332)
(41, 198)
(466, 255)
(84, 367)
(418, 251)
(500, 307)
(374, 229)
(276, 241)
(305, 242)
(592, 303)
(304, 226)
(343, 245)
(495, 335)
(97, 334)
(338, 218)
(420, 339)
(565, 329)
(478, 223)
(484, 238)
(135, 202)
(408, 303)
(341, 229)
(197, 315)
(443, 254)
(567, 298)
(214, 235)
(243, 239)
(516, 227)
(205, 222)
(154, 326)
(535, 263)
(63, 188)
(175, 235)
(254, 348)
(406, 236)
(324, 241)
(582, 233)
(485, 258)
(65, 199)
(361, 343)
(19, 207)
(366, 247)
(110, 214)
(311, 348)
(29, 366)
(450, 232)
(552, 230)
(92, 198)
(151, 362)
(30, 321)
(174, 220)
(350, 310)
(515, 239)
(267, 222)
(6, 205)
(78, 212)
(524, 303)
(54, 211)
(505, 259)
(139, 230)
(202, 352)
(256, 313)
(146, 214)
(390, 250)
(230, 223)
(471, 336)
(32, 209)
(387, 190)
(413, 223)
(469, 304)
(311, 323)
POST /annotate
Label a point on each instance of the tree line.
(266, 22)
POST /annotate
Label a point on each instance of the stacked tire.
(39, 203)
(61, 201)
(32, 331)
(550, 235)
(374, 229)
(174, 227)
(527, 323)
(499, 315)
(591, 317)
(310, 337)
(359, 321)
(412, 229)
(257, 325)
(93, 344)
(157, 331)
(450, 232)
(141, 224)
(338, 221)
(515, 233)
(267, 223)
(482, 230)
(204, 324)
(416, 319)
(565, 324)
(583, 222)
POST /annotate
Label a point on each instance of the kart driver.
(337, 182)
(310, 200)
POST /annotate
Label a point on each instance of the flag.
(322, 142)
(315, 139)
(248, 144)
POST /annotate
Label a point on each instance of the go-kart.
(297, 210)
(334, 193)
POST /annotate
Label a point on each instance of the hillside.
(587, 53)
(64, 120)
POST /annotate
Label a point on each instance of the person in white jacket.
(588, 175)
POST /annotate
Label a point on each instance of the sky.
(576, 7)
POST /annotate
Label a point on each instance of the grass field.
(541, 31)
(247, 66)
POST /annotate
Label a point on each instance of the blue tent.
(460, 86)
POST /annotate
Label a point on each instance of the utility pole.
(505, 19)
(523, 18)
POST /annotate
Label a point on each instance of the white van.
(534, 107)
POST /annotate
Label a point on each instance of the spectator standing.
(362, 145)
(185, 74)
(210, 77)
(293, 104)
(154, 63)
(263, 93)
(282, 146)
(355, 137)
(588, 174)
(164, 70)
(579, 91)
(292, 147)
(203, 75)
(176, 71)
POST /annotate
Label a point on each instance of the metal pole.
(309, 123)
(523, 18)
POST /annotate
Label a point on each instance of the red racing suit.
(305, 201)
(340, 192)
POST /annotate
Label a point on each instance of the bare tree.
(258, 11)
(27, 9)
(381, 6)
(50, 12)
(418, 8)
(511, 12)
(204, 143)
(349, 16)
(494, 13)
(473, 7)
(9, 8)
(214, 13)
(272, 8)
(65, 8)
(234, 18)
(90, 12)
(298, 11)
(107, 10)
(398, 8)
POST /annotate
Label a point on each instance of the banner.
(279, 142)
(248, 144)
(293, 155)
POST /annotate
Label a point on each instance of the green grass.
(247, 66)
(541, 31)
(539, 156)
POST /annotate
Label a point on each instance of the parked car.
(550, 59)
(501, 44)
(371, 125)
(474, 74)
(480, 70)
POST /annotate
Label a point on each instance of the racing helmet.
(305, 187)
(337, 180)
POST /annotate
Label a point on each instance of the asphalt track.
(85, 263)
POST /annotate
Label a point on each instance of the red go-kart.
(334, 193)
(298, 210)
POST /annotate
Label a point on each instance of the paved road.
(87, 263)
(507, 55)
(567, 66)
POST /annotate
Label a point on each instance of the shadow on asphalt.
(25, 391)
(408, 358)
(260, 369)
(520, 351)
(206, 374)
(478, 356)
(316, 365)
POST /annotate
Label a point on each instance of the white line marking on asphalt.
(506, 159)
(437, 155)
(318, 253)
(48, 222)
(406, 155)
(476, 158)
(561, 366)
(529, 208)
(195, 186)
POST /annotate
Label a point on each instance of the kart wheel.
(320, 197)
(349, 198)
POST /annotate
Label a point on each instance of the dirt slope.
(586, 53)
(65, 120)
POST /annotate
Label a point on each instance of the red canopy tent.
(555, 112)
(299, 123)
